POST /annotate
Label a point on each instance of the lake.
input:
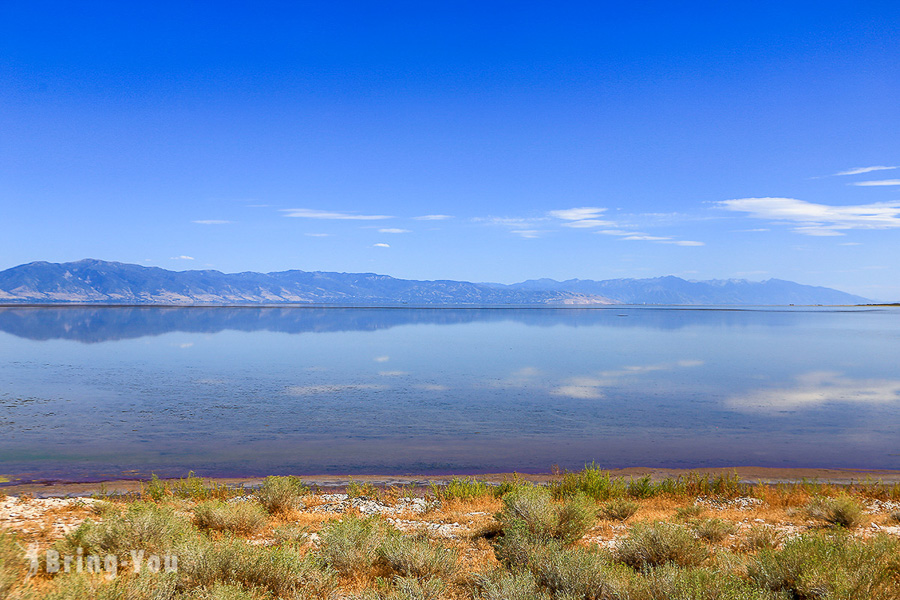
(106, 392)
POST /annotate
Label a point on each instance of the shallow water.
(102, 392)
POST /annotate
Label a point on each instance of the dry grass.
(646, 541)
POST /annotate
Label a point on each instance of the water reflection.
(818, 388)
(270, 390)
(101, 324)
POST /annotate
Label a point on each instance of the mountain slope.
(94, 281)
(100, 282)
(673, 290)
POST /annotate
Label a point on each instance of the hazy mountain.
(674, 290)
(100, 282)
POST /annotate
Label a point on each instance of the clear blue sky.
(457, 139)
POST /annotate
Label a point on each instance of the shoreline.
(747, 474)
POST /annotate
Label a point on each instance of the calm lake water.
(98, 392)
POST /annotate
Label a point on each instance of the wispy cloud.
(508, 221)
(381, 245)
(182, 257)
(433, 218)
(308, 213)
(317, 234)
(618, 232)
(527, 233)
(817, 388)
(211, 222)
(592, 387)
(861, 170)
(689, 243)
(818, 219)
(393, 230)
(643, 237)
(879, 183)
(584, 217)
(577, 214)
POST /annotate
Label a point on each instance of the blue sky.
(496, 141)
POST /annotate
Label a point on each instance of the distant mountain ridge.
(100, 282)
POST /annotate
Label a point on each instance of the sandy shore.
(339, 482)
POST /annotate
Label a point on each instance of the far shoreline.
(335, 483)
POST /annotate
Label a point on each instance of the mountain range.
(101, 282)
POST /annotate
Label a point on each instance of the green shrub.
(12, 563)
(592, 482)
(467, 488)
(143, 526)
(576, 573)
(203, 563)
(686, 513)
(642, 487)
(156, 488)
(727, 485)
(222, 591)
(712, 530)
(237, 517)
(817, 566)
(841, 511)
(282, 494)
(760, 537)
(619, 510)
(894, 517)
(505, 585)
(416, 557)
(290, 533)
(351, 545)
(532, 510)
(658, 543)
(672, 582)
(80, 586)
(410, 588)
(193, 488)
(361, 490)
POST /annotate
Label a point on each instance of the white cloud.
(433, 217)
(618, 232)
(690, 243)
(580, 392)
(818, 219)
(588, 388)
(393, 373)
(382, 358)
(508, 221)
(182, 257)
(577, 214)
(646, 238)
(861, 170)
(527, 233)
(308, 213)
(817, 388)
(381, 245)
(211, 222)
(877, 183)
(850, 244)
(584, 223)
(317, 234)
(393, 230)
